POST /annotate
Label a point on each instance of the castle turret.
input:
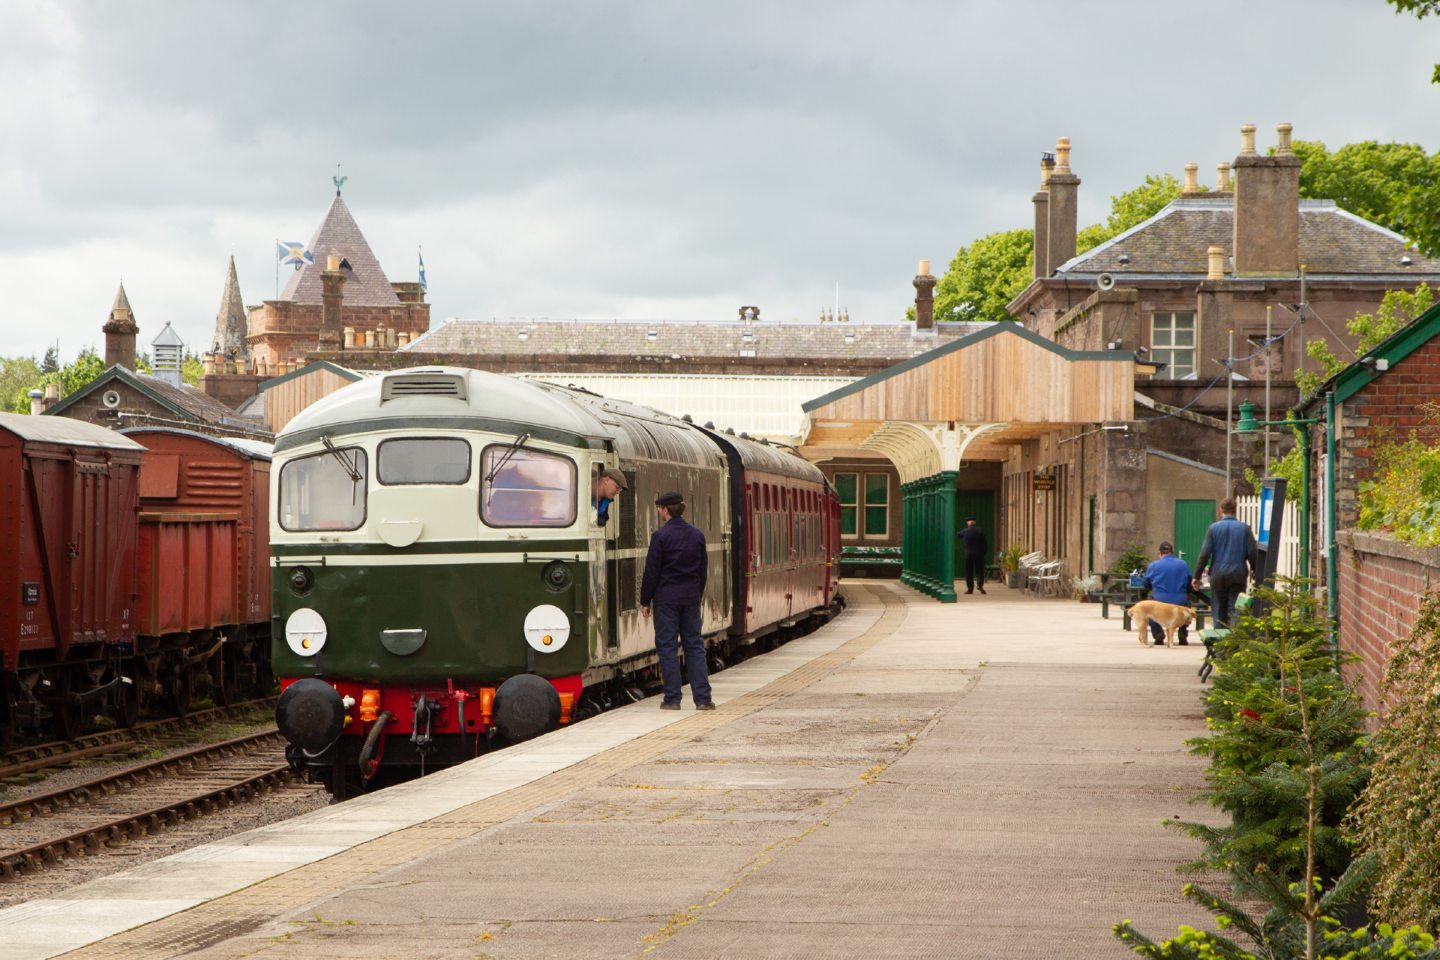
(120, 331)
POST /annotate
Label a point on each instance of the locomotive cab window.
(423, 460)
(324, 491)
(526, 488)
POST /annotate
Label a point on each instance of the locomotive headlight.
(547, 628)
(305, 632)
(556, 575)
(301, 580)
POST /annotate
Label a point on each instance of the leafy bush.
(1397, 816)
(1404, 497)
(1133, 557)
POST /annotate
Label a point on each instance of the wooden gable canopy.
(972, 399)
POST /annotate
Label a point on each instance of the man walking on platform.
(1230, 551)
(675, 571)
(972, 538)
(1168, 578)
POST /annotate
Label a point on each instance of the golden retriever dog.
(1171, 616)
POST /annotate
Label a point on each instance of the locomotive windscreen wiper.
(505, 457)
(345, 464)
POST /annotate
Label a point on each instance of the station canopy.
(972, 399)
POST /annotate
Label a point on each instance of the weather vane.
(338, 180)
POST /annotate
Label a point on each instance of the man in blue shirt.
(1168, 578)
(603, 490)
(1230, 552)
(675, 571)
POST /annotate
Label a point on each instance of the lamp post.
(1247, 428)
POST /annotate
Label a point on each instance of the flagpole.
(277, 268)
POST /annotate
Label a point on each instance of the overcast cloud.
(639, 160)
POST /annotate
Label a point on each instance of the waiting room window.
(877, 505)
(847, 486)
(1172, 342)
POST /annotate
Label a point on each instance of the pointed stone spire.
(230, 323)
(120, 330)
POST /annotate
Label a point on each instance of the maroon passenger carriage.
(786, 523)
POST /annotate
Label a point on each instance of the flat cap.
(617, 476)
(669, 499)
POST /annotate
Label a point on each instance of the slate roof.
(185, 402)
(693, 340)
(365, 283)
(1333, 242)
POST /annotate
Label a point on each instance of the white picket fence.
(1247, 509)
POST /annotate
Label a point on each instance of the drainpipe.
(1305, 501)
(1331, 553)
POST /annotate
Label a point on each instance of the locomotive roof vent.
(423, 385)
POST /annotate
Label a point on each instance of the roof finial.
(338, 180)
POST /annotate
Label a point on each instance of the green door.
(1192, 519)
(979, 504)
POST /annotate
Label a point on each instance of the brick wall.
(1381, 582)
(1387, 409)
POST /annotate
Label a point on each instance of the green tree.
(17, 376)
(86, 368)
(51, 363)
(1392, 184)
(1129, 209)
(1369, 330)
(192, 368)
(985, 276)
(1421, 9)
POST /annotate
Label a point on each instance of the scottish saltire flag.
(294, 253)
(423, 286)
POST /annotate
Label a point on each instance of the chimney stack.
(1267, 207)
(1192, 179)
(1217, 263)
(1062, 210)
(120, 331)
(1042, 214)
(924, 297)
(37, 402)
(332, 298)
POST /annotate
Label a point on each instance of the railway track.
(43, 831)
(26, 761)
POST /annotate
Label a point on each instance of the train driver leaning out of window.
(606, 486)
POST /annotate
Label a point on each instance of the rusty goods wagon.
(67, 518)
(203, 560)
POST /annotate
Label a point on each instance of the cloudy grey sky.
(643, 160)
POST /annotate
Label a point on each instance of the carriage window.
(526, 488)
(325, 491)
(423, 460)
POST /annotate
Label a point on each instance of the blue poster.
(1267, 501)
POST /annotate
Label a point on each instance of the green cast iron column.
(907, 535)
(945, 481)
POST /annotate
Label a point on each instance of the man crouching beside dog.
(1167, 612)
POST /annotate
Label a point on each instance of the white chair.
(1046, 579)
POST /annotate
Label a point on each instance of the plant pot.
(1012, 579)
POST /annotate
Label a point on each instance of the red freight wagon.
(67, 512)
(204, 560)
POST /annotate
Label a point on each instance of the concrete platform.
(979, 779)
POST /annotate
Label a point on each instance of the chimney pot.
(52, 391)
(37, 402)
(1282, 140)
(1192, 180)
(1047, 167)
(1062, 155)
(1222, 177)
(332, 263)
(1247, 139)
(924, 270)
(1217, 263)
(349, 338)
